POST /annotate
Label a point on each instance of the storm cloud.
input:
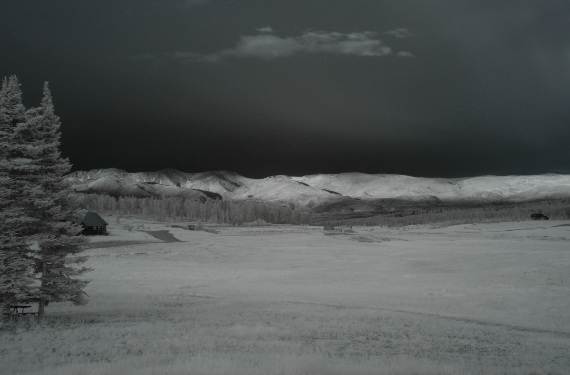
(438, 88)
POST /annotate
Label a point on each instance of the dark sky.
(426, 88)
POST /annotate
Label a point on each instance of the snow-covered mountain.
(485, 188)
(320, 188)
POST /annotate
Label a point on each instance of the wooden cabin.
(92, 224)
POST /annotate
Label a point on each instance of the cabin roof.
(92, 219)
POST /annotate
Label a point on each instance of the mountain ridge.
(319, 188)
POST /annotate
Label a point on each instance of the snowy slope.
(98, 180)
(485, 188)
(515, 187)
(378, 186)
(316, 189)
(128, 187)
(282, 188)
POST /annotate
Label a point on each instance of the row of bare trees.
(213, 211)
(250, 211)
(558, 209)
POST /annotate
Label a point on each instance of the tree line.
(555, 209)
(213, 211)
(250, 211)
(39, 247)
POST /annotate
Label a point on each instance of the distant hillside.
(344, 189)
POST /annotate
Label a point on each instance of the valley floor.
(475, 299)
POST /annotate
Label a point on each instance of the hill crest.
(320, 188)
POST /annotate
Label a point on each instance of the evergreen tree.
(16, 224)
(36, 207)
(57, 259)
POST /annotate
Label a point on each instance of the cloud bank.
(266, 45)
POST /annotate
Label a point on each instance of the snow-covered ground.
(482, 298)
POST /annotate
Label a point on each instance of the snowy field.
(466, 299)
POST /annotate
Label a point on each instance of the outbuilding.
(92, 223)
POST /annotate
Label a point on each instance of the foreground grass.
(196, 335)
(460, 301)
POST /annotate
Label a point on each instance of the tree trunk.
(42, 302)
(6, 311)
(41, 307)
